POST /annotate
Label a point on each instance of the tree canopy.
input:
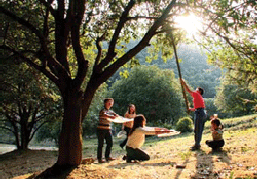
(230, 38)
(155, 92)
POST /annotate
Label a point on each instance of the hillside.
(193, 64)
(238, 159)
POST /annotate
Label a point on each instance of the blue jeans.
(199, 120)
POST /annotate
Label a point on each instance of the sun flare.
(191, 24)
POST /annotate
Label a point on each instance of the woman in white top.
(136, 139)
(127, 126)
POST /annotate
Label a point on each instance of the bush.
(184, 124)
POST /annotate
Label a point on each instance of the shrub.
(184, 124)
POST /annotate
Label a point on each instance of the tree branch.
(77, 13)
(42, 39)
(110, 70)
(48, 6)
(111, 51)
(28, 25)
(49, 74)
(36, 129)
(99, 48)
(6, 128)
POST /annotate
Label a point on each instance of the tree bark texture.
(70, 142)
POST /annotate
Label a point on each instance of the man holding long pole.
(199, 116)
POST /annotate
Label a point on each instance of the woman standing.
(136, 139)
(127, 126)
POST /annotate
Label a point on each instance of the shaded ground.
(238, 159)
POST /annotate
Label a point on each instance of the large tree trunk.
(70, 142)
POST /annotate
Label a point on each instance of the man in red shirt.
(199, 116)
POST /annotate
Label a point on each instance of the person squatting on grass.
(104, 130)
(127, 126)
(200, 114)
(136, 139)
(217, 135)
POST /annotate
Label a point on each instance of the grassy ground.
(238, 159)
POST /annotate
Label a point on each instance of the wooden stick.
(179, 73)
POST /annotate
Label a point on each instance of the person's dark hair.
(108, 99)
(201, 90)
(129, 106)
(138, 122)
(216, 121)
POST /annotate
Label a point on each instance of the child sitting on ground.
(217, 135)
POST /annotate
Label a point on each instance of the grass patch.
(185, 155)
(238, 158)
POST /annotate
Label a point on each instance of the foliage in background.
(193, 65)
(29, 101)
(211, 109)
(50, 132)
(234, 99)
(91, 120)
(155, 92)
(230, 38)
(184, 124)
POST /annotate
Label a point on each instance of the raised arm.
(186, 86)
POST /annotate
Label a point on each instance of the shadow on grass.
(205, 163)
(123, 165)
(180, 170)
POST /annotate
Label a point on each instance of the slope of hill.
(170, 158)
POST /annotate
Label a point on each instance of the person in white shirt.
(136, 139)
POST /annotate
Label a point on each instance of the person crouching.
(136, 139)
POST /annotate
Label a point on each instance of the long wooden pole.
(179, 73)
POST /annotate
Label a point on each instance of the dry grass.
(238, 159)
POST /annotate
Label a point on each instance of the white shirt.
(137, 138)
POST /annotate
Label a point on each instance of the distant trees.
(28, 102)
(234, 99)
(193, 64)
(155, 92)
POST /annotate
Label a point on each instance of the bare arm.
(161, 130)
(186, 86)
